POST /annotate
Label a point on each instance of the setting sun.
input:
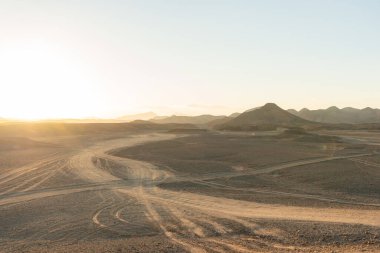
(43, 81)
(189, 126)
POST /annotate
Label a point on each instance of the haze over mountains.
(197, 120)
(140, 116)
(273, 114)
(335, 115)
(269, 114)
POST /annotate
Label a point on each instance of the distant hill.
(217, 122)
(222, 120)
(234, 115)
(196, 120)
(140, 116)
(347, 115)
(267, 117)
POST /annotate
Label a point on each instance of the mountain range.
(334, 115)
(267, 115)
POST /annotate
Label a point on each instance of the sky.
(77, 58)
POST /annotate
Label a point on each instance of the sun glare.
(39, 81)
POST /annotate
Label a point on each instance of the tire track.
(127, 181)
(295, 195)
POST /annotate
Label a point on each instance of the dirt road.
(125, 201)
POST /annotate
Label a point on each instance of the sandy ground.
(98, 195)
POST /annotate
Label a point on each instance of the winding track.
(187, 219)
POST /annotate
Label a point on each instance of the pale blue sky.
(107, 58)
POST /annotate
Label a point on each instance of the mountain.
(140, 116)
(292, 111)
(222, 120)
(196, 120)
(333, 114)
(267, 117)
(234, 115)
(217, 122)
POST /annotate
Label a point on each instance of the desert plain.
(146, 190)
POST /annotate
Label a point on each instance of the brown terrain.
(134, 188)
